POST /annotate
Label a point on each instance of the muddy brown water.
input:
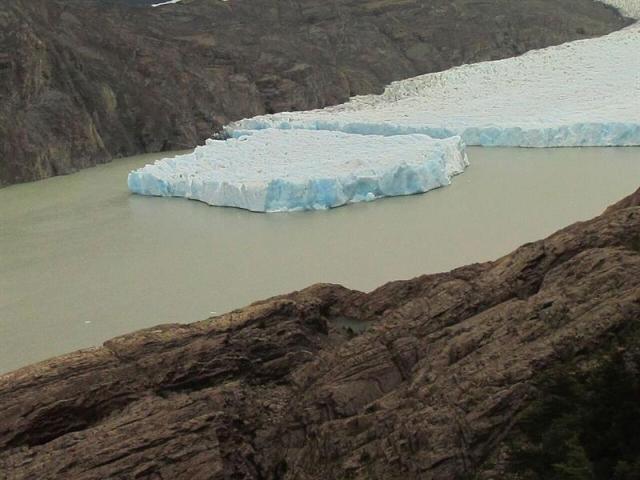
(82, 260)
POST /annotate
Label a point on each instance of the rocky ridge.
(417, 379)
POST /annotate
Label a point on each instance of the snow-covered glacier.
(582, 93)
(275, 170)
(411, 138)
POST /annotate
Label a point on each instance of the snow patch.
(628, 8)
(165, 3)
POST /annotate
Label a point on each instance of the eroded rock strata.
(83, 81)
(417, 379)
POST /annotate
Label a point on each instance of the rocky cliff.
(419, 379)
(83, 81)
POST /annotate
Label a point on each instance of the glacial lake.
(82, 260)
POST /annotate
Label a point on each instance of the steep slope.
(84, 81)
(418, 379)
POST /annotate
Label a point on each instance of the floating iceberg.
(277, 170)
(582, 93)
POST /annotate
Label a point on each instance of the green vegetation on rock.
(585, 424)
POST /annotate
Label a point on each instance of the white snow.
(165, 3)
(276, 170)
(628, 8)
(582, 93)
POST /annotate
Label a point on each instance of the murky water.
(82, 260)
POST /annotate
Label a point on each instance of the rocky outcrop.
(418, 379)
(83, 81)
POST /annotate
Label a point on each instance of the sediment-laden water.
(82, 260)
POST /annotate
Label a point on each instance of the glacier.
(274, 170)
(412, 137)
(581, 93)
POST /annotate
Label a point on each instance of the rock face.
(418, 379)
(83, 81)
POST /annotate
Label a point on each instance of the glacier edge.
(275, 170)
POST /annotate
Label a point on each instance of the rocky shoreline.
(286, 388)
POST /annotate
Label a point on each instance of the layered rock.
(417, 379)
(82, 82)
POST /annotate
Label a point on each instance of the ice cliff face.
(275, 170)
(583, 93)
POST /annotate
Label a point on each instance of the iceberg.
(274, 170)
(581, 93)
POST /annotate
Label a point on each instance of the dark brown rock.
(83, 81)
(281, 389)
